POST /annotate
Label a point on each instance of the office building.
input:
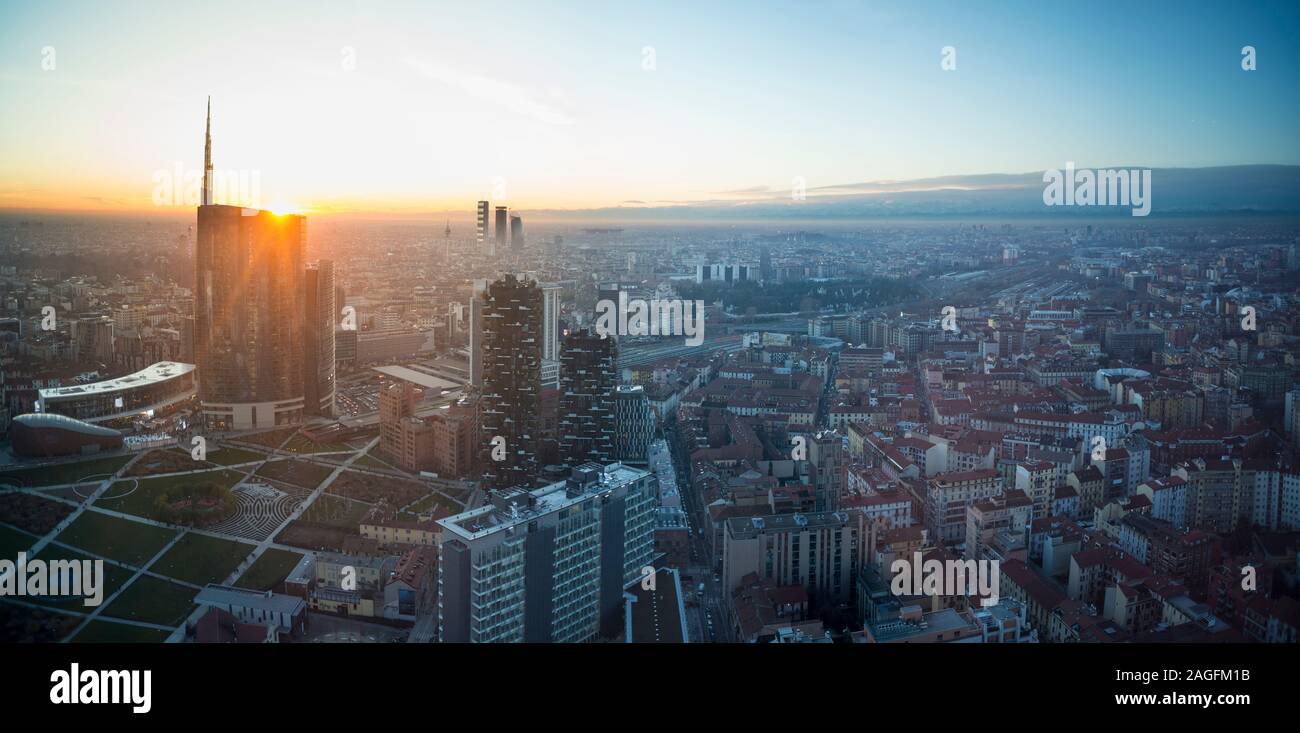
(248, 318)
(547, 565)
(634, 424)
(476, 332)
(516, 232)
(318, 339)
(502, 224)
(482, 226)
(551, 322)
(155, 390)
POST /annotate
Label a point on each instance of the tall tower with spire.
(207, 158)
(250, 327)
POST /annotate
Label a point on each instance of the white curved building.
(153, 389)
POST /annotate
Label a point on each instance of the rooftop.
(152, 374)
(225, 595)
(525, 506)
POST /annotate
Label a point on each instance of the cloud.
(503, 94)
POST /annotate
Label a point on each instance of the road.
(707, 618)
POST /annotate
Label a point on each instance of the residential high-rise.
(826, 461)
(502, 225)
(512, 356)
(588, 378)
(396, 405)
(634, 424)
(248, 321)
(548, 565)
(820, 551)
(318, 339)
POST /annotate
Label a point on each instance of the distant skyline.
(406, 108)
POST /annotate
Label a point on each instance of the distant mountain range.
(1238, 189)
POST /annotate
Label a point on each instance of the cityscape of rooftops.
(724, 323)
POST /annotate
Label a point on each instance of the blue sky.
(449, 101)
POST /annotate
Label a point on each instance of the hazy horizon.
(589, 107)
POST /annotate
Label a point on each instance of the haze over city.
(419, 107)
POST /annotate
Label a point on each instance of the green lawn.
(297, 472)
(153, 601)
(141, 501)
(14, 541)
(369, 461)
(269, 570)
(114, 578)
(302, 444)
(200, 559)
(121, 539)
(107, 632)
(430, 501)
(336, 511)
(229, 456)
(66, 473)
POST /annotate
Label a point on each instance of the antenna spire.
(207, 158)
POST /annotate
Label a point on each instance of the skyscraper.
(248, 318)
(476, 332)
(207, 157)
(482, 227)
(587, 381)
(634, 424)
(512, 356)
(502, 224)
(516, 232)
(318, 339)
(551, 322)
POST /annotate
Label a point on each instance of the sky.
(428, 106)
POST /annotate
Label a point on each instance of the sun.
(282, 208)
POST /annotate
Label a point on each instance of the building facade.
(547, 565)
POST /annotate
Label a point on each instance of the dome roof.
(37, 420)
